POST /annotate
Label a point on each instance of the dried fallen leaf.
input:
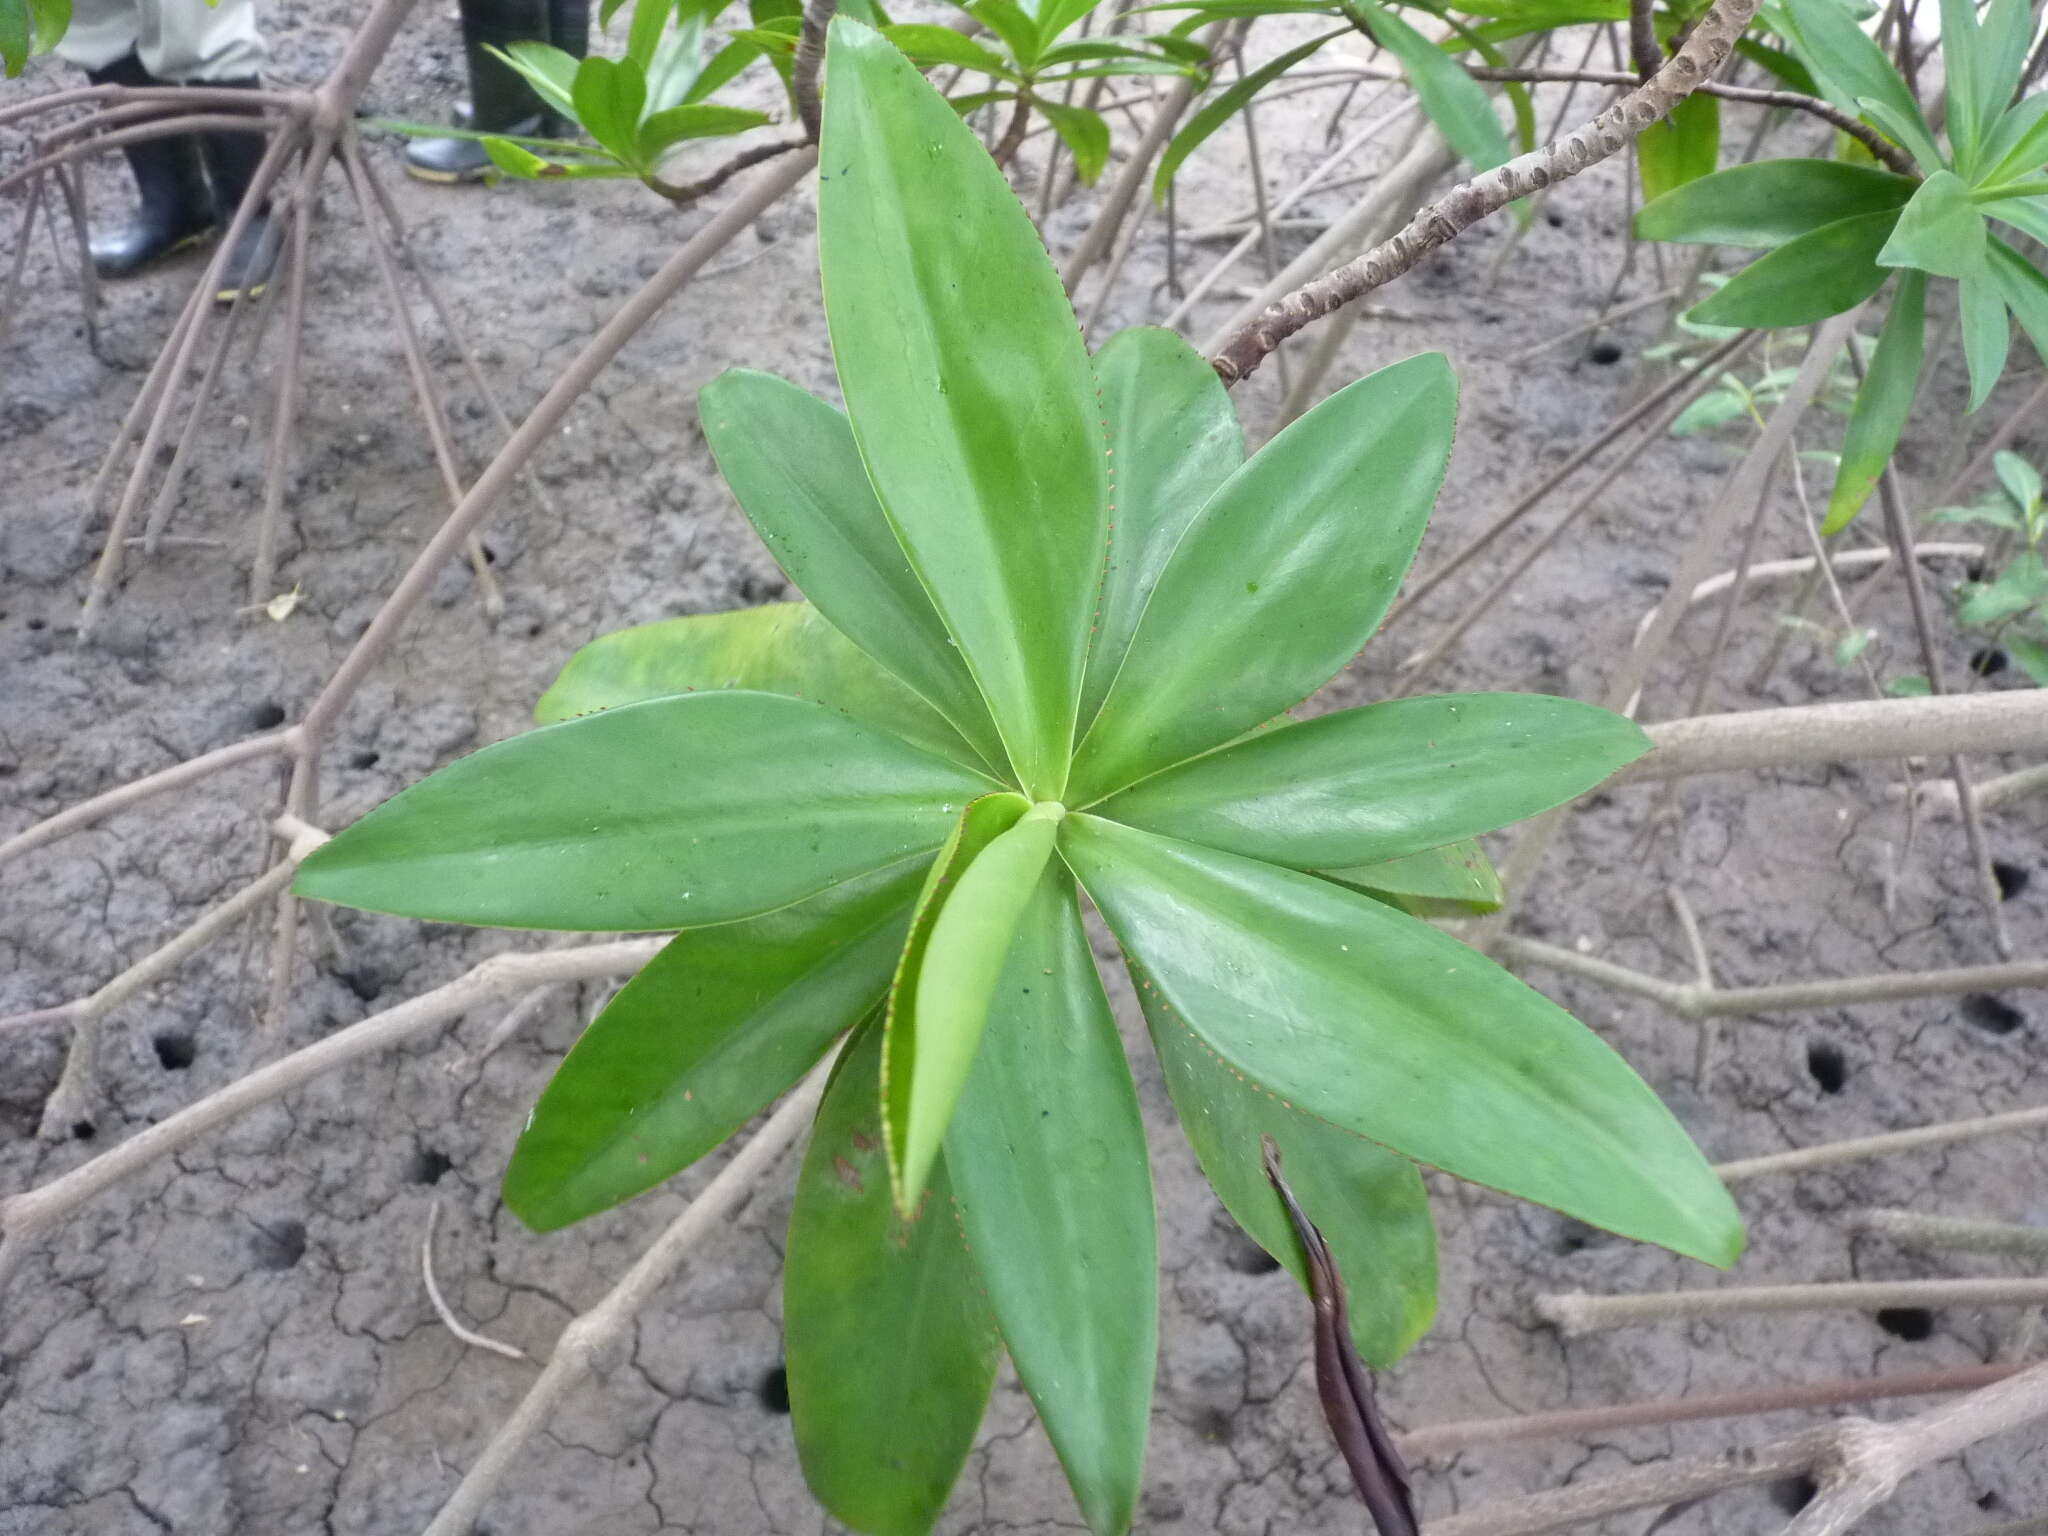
(1344, 1382)
(281, 606)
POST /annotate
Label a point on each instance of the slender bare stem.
(1469, 202)
(810, 59)
(1860, 1148)
(101, 806)
(446, 1313)
(1695, 1002)
(285, 400)
(1571, 1423)
(24, 1216)
(590, 1333)
(1952, 1234)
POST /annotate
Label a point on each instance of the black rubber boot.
(174, 211)
(231, 161)
(500, 100)
(568, 30)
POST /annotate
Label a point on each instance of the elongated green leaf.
(2028, 215)
(609, 95)
(969, 390)
(1778, 64)
(1882, 404)
(1085, 133)
(2019, 144)
(2002, 52)
(717, 1026)
(1850, 67)
(1964, 69)
(1049, 1166)
(1818, 275)
(938, 1007)
(1549, 13)
(1987, 333)
(1369, 1203)
(1682, 149)
(670, 127)
(550, 71)
(1281, 578)
(1385, 779)
(1226, 105)
(2030, 656)
(1013, 24)
(723, 67)
(928, 45)
(891, 1351)
(1376, 1022)
(1939, 230)
(1055, 16)
(1451, 99)
(650, 21)
(785, 648)
(2020, 586)
(2022, 287)
(1456, 880)
(791, 461)
(51, 19)
(17, 34)
(670, 814)
(1174, 438)
(1770, 202)
(2021, 480)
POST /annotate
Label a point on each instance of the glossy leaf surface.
(1049, 1166)
(968, 387)
(1174, 438)
(1379, 1024)
(1770, 202)
(1456, 880)
(669, 814)
(939, 1005)
(792, 462)
(785, 648)
(713, 1029)
(1281, 578)
(1369, 1202)
(1882, 404)
(891, 1351)
(1385, 780)
(1818, 275)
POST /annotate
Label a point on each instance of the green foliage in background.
(1836, 231)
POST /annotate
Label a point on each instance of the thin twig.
(1952, 1234)
(441, 1308)
(591, 1332)
(1577, 1313)
(1471, 201)
(810, 59)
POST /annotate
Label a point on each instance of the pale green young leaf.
(785, 648)
(1682, 149)
(2030, 656)
(1939, 230)
(2021, 480)
(609, 95)
(938, 1007)
(1085, 133)
(550, 71)
(1966, 73)
(2022, 585)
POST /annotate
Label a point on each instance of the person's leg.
(217, 43)
(173, 210)
(500, 100)
(568, 30)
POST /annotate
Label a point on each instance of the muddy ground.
(240, 1341)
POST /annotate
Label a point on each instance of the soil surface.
(238, 1340)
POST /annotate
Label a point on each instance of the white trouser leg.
(183, 42)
